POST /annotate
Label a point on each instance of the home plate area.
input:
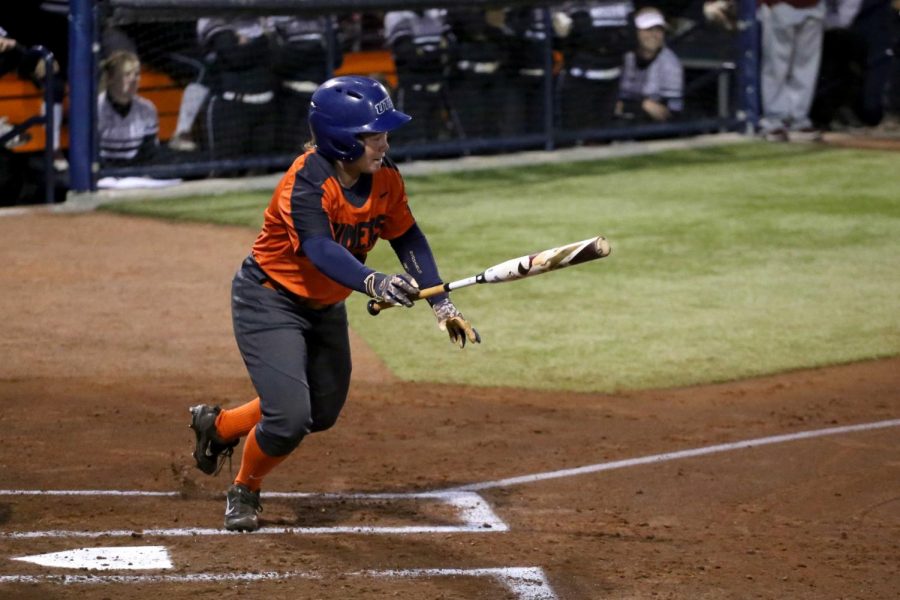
(127, 551)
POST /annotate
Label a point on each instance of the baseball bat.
(529, 265)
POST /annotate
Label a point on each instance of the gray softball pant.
(298, 359)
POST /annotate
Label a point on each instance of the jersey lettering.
(308, 202)
(359, 238)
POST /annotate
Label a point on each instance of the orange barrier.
(20, 100)
(158, 88)
(378, 64)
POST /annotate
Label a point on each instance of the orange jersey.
(309, 201)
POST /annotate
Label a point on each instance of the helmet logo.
(384, 106)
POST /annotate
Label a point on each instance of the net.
(230, 82)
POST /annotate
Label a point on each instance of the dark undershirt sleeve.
(336, 262)
(415, 255)
(314, 228)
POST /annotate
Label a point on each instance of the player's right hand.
(398, 289)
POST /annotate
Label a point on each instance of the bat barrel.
(519, 268)
(548, 260)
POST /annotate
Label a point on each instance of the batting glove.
(452, 321)
(396, 289)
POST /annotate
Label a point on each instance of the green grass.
(727, 262)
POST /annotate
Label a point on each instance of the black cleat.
(210, 450)
(242, 508)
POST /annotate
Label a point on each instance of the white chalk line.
(473, 487)
(527, 583)
(667, 456)
(201, 531)
(87, 493)
(475, 514)
(185, 578)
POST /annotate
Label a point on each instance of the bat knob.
(373, 308)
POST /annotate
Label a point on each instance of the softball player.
(290, 323)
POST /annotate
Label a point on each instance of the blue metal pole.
(549, 80)
(748, 64)
(82, 95)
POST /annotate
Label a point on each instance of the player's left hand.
(452, 321)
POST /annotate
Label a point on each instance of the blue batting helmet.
(344, 107)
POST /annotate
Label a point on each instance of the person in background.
(856, 58)
(301, 63)
(11, 54)
(422, 44)
(791, 52)
(477, 85)
(241, 109)
(193, 99)
(127, 124)
(173, 48)
(527, 37)
(722, 13)
(593, 37)
(890, 124)
(652, 84)
(13, 57)
(31, 66)
(290, 322)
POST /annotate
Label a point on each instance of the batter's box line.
(476, 515)
(526, 583)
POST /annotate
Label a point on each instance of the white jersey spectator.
(128, 125)
(652, 84)
(790, 55)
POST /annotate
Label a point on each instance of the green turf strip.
(727, 262)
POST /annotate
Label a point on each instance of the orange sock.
(255, 464)
(237, 422)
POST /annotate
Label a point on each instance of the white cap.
(649, 17)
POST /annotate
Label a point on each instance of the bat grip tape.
(374, 306)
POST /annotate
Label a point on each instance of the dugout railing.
(43, 118)
(720, 86)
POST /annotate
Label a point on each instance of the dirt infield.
(112, 326)
(864, 141)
